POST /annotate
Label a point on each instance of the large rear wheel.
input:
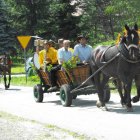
(38, 93)
(65, 95)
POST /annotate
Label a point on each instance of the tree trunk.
(32, 17)
(111, 27)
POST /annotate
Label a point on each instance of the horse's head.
(131, 42)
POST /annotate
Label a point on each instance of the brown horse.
(5, 69)
(125, 67)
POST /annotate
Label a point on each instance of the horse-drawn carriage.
(67, 83)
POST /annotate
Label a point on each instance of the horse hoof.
(104, 108)
(135, 99)
(98, 104)
(129, 109)
(123, 105)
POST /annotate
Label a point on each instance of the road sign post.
(24, 41)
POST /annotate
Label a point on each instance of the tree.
(45, 18)
(124, 12)
(103, 19)
(6, 32)
(65, 22)
(28, 15)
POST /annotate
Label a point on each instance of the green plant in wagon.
(49, 67)
(72, 63)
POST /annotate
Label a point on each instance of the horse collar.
(130, 61)
(125, 54)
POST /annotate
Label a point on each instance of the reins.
(130, 61)
(124, 54)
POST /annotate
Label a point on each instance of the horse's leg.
(8, 85)
(104, 80)
(137, 82)
(100, 88)
(127, 96)
(97, 81)
(126, 79)
(119, 86)
(5, 80)
(9, 73)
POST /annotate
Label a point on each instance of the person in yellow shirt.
(49, 56)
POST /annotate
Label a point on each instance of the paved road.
(82, 117)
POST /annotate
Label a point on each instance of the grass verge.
(18, 68)
(21, 81)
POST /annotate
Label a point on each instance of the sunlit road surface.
(82, 117)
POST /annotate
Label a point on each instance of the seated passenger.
(60, 43)
(49, 56)
(64, 53)
(82, 49)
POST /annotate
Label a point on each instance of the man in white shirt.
(64, 53)
(82, 49)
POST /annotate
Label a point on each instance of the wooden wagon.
(67, 82)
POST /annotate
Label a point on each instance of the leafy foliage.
(101, 20)
(105, 18)
(6, 32)
(49, 67)
(72, 63)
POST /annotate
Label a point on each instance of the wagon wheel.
(107, 94)
(38, 93)
(65, 95)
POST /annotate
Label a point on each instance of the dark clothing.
(52, 74)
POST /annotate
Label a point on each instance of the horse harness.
(124, 54)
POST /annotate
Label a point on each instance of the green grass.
(21, 81)
(133, 89)
(18, 68)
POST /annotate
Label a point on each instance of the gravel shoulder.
(17, 128)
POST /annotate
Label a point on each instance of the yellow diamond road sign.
(24, 40)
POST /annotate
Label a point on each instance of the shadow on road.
(57, 102)
(83, 103)
(16, 89)
(76, 103)
(117, 108)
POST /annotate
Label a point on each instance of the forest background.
(100, 20)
